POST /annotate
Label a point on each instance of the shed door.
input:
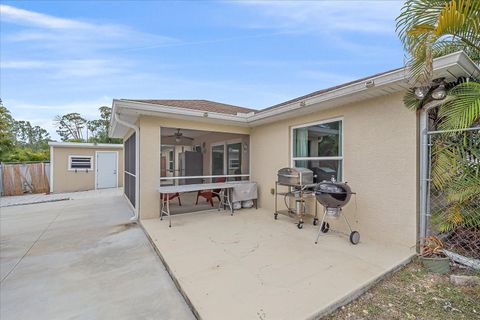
(106, 170)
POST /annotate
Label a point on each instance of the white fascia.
(85, 145)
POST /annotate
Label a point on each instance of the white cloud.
(26, 17)
(73, 35)
(327, 16)
(78, 68)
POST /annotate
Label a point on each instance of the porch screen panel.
(130, 173)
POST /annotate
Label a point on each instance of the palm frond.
(410, 101)
(423, 23)
(463, 109)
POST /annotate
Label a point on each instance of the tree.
(70, 126)
(20, 141)
(432, 28)
(428, 29)
(30, 136)
(7, 140)
(100, 127)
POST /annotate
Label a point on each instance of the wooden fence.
(21, 178)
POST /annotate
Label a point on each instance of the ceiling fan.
(178, 136)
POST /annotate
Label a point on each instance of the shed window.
(318, 147)
(79, 163)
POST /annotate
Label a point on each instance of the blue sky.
(66, 56)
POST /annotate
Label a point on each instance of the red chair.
(210, 194)
(171, 196)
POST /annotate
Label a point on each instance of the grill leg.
(321, 224)
(346, 221)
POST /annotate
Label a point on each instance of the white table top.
(200, 186)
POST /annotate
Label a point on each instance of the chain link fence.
(453, 203)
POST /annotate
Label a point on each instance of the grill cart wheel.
(354, 237)
(275, 216)
(325, 227)
(300, 225)
(315, 221)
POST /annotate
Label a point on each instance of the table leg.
(221, 200)
(230, 198)
(168, 212)
(161, 207)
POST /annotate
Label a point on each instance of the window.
(218, 152)
(318, 147)
(171, 161)
(234, 158)
(79, 163)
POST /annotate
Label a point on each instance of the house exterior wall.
(380, 165)
(71, 181)
(150, 156)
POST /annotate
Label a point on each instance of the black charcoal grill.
(333, 195)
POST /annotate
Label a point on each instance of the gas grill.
(295, 177)
(299, 182)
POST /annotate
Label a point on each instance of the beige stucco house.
(85, 166)
(368, 138)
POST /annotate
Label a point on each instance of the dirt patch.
(413, 293)
(121, 227)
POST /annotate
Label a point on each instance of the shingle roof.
(315, 93)
(212, 106)
(204, 105)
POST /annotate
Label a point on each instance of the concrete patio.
(82, 259)
(250, 266)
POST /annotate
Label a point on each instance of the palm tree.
(432, 28)
(429, 29)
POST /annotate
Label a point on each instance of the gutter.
(137, 162)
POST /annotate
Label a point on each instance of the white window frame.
(293, 159)
(79, 169)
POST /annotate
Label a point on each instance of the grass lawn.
(413, 293)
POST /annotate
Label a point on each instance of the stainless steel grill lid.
(295, 176)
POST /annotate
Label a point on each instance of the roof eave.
(398, 76)
(84, 145)
(387, 83)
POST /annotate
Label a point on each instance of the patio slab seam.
(170, 272)
(34, 202)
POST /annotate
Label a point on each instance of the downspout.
(425, 166)
(137, 162)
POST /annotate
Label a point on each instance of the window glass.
(217, 159)
(322, 169)
(321, 140)
(319, 148)
(235, 158)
